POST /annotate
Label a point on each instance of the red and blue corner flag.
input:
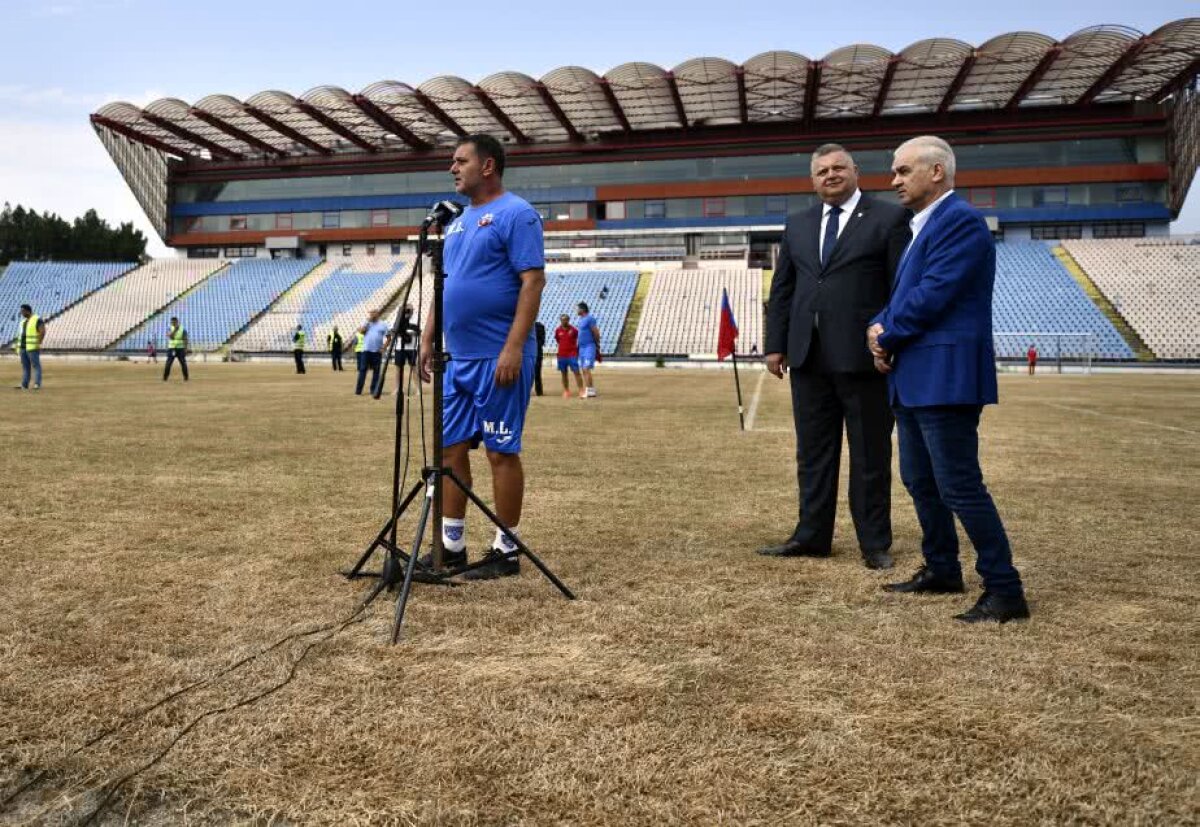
(728, 333)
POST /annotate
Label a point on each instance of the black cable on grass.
(357, 617)
(336, 626)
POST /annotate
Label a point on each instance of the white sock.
(454, 534)
(503, 543)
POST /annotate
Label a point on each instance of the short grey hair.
(829, 149)
(932, 150)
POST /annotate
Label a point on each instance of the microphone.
(441, 214)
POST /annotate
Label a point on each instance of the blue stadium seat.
(1034, 294)
(223, 304)
(564, 290)
(50, 287)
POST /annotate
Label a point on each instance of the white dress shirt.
(918, 221)
(848, 209)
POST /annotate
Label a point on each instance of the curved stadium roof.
(1020, 70)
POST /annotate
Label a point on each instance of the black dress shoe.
(926, 582)
(793, 549)
(450, 559)
(996, 608)
(880, 559)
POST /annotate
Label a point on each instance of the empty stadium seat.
(1036, 298)
(222, 305)
(566, 288)
(1153, 283)
(682, 312)
(111, 312)
(49, 288)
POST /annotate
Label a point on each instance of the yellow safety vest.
(29, 326)
(299, 341)
(175, 338)
(359, 342)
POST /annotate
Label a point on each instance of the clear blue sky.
(61, 59)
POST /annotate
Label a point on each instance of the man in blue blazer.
(934, 341)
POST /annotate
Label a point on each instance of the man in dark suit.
(934, 341)
(834, 273)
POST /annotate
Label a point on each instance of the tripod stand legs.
(422, 521)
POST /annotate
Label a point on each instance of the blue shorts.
(566, 363)
(587, 357)
(477, 409)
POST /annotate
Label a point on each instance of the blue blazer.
(938, 321)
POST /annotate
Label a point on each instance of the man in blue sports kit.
(495, 272)
(589, 347)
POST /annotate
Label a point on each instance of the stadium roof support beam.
(140, 137)
(559, 114)
(286, 131)
(335, 127)
(677, 99)
(498, 113)
(885, 86)
(743, 106)
(233, 132)
(1034, 78)
(439, 113)
(390, 124)
(1178, 82)
(812, 91)
(1113, 72)
(191, 137)
(956, 85)
(615, 105)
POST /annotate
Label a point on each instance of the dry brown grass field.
(154, 534)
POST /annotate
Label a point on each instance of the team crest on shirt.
(487, 219)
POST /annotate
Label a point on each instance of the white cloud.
(63, 168)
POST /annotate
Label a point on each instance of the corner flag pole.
(737, 382)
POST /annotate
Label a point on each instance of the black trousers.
(372, 361)
(336, 356)
(537, 375)
(823, 403)
(173, 354)
(299, 354)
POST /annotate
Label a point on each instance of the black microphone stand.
(433, 478)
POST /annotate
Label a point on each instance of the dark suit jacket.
(938, 322)
(851, 288)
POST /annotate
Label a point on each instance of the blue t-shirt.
(373, 338)
(487, 248)
(589, 331)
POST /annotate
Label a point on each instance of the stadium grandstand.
(659, 188)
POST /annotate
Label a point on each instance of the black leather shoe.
(496, 564)
(996, 608)
(881, 559)
(450, 559)
(793, 549)
(926, 582)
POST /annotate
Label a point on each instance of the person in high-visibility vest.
(29, 345)
(177, 343)
(359, 348)
(334, 342)
(299, 338)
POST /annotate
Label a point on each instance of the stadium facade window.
(237, 222)
(1053, 232)
(241, 252)
(982, 196)
(714, 207)
(379, 218)
(347, 250)
(1129, 193)
(370, 249)
(283, 221)
(1050, 197)
(614, 210)
(397, 249)
(656, 209)
(578, 211)
(204, 252)
(331, 220)
(775, 205)
(1119, 229)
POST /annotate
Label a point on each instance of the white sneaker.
(591, 392)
